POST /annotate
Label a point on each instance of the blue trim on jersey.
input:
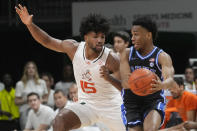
(131, 51)
(123, 114)
(161, 106)
(122, 93)
(123, 111)
(141, 57)
(157, 59)
(134, 123)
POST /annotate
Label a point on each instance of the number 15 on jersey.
(87, 87)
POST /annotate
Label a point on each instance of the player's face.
(175, 91)
(139, 37)
(119, 43)
(60, 100)
(34, 102)
(95, 41)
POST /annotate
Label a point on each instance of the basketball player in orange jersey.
(145, 113)
(98, 100)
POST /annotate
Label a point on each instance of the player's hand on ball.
(24, 14)
(157, 84)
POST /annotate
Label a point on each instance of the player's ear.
(149, 35)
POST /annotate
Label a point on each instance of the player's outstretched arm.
(41, 36)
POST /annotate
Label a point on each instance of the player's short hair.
(94, 22)
(148, 24)
(123, 34)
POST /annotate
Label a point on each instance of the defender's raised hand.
(24, 14)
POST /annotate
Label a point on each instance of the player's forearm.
(168, 83)
(115, 82)
(39, 35)
(124, 70)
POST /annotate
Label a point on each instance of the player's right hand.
(24, 14)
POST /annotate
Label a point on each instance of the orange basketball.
(140, 81)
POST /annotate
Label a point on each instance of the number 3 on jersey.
(87, 87)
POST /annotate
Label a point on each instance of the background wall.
(55, 17)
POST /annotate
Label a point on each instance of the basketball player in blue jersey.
(145, 113)
(98, 99)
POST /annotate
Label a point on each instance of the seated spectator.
(40, 116)
(61, 100)
(9, 112)
(73, 92)
(195, 81)
(189, 80)
(183, 102)
(48, 78)
(67, 80)
(1, 86)
(30, 82)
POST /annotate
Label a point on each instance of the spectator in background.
(30, 82)
(61, 100)
(48, 78)
(184, 101)
(1, 86)
(40, 116)
(121, 39)
(189, 80)
(73, 92)
(67, 80)
(195, 82)
(9, 112)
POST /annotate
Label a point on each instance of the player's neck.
(91, 54)
(145, 51)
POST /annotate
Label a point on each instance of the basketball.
(140, 81)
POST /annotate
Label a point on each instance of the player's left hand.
(104, 73)
(157, 85)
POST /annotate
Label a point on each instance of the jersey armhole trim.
(157, 57)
